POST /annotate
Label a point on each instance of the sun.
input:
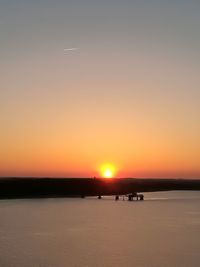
(108, 171)
(107, 174)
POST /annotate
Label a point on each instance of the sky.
(86, 83)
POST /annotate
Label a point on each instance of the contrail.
(71, 49)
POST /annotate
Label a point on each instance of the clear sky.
(128, 95)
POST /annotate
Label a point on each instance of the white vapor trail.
(71, 49)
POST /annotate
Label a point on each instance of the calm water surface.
(163, 230)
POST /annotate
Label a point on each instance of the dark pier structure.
(83, 187)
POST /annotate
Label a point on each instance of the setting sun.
(108, 174)
(108, 171)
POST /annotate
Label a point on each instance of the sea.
(161, 231)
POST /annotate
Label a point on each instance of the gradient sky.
(130, 95)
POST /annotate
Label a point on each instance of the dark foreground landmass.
(80, 187)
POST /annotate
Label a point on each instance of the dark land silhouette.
(82, 187)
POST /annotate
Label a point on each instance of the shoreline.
(16, 188)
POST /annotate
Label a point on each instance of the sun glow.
(108, 171)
